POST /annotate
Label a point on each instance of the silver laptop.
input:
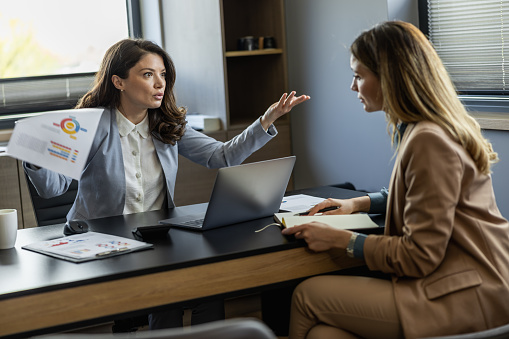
(242, 193)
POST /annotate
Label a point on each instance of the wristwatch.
(351, 243)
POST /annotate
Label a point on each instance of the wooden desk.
(40, 294)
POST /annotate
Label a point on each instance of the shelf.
(266, 51)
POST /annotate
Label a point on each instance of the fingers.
(282, 99)
(299, 229)
(318, 207)
(293, 230)
(281, 104)
(299, 100)
(290, 101)
(324, 204)
(293, 101)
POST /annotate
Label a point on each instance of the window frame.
(10, 113)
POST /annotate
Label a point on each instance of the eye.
(148, 74)
(163, 75)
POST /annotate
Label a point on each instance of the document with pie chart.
(59, 141)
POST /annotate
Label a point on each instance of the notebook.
(241, 193)
(341, 221)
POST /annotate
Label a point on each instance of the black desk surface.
(24, 272)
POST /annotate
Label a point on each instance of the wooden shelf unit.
(215, 78)
(254, 79)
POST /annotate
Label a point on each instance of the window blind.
(472, 39)
(39, 92)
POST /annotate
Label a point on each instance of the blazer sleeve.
(378, 203)
(211, 153)
(428, 181)
(48, 184)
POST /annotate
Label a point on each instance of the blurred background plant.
(55, 37)
(20, 53)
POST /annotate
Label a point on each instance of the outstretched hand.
(280, 108)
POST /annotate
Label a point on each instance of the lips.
(159, 96)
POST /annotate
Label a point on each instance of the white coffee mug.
(8, 228)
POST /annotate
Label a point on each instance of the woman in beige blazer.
(446, 246)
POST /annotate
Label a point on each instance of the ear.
(117, 82)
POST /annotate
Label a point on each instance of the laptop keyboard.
(197, 223)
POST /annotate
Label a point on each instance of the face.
(144, 86)
(367, 85)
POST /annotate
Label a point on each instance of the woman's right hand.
(282, 107)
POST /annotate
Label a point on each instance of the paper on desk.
(299, 202)
(59, 141)
(87, 246)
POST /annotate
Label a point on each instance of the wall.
(405, 10)
(334, 139)
(200, 82)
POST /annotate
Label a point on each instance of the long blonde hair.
(416, 86)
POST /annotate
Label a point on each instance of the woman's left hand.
(280, 108)
(319, 236)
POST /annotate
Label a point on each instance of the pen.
(330, 208)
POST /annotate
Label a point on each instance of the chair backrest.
(241, 328)
(53, 210)
(501, 332)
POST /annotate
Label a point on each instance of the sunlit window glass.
(49, 37)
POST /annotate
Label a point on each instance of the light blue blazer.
(101, 189)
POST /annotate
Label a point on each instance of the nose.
(160, 81)
(353, 86)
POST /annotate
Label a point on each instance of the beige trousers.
(344, 307)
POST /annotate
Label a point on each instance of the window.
(472, 39)
(51, 49)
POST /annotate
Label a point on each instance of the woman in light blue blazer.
(133, 161)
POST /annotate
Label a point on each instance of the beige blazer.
(446, 243)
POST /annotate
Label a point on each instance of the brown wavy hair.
(416, 86)
(167, 123)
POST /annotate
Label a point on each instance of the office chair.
(54, 210)
(346, 185)
(501, 332)
(240, 328)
